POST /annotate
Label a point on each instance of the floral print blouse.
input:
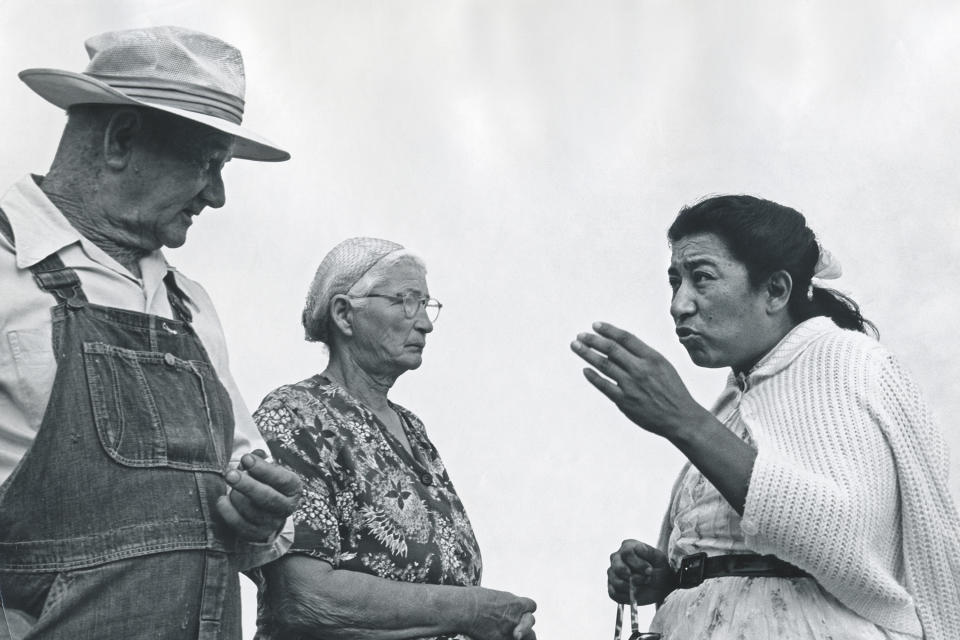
(367, 504)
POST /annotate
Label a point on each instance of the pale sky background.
(534, 153)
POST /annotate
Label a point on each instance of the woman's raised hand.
(648, 569)
(640, 381)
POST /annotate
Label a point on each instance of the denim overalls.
(107, 525)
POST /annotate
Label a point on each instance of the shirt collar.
(786, 351)
(40, 230)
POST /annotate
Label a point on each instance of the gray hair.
(353, 267)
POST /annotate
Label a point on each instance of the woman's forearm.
(722, 457)
(309, 597)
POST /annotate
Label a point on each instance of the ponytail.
(842, 309)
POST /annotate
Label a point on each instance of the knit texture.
(850, 481)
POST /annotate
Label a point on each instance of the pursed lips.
(686, 333)
(190, 212)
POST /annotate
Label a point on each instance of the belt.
(697, 567)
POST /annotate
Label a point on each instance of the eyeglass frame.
(422, 303)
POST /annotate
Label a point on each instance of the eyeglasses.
(412, 303)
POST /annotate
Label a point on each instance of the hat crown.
(190, 74)
(168, 56)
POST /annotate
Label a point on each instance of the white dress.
(744, 608)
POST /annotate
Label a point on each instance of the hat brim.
(66, 88)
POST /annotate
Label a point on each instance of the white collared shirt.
(27, 363)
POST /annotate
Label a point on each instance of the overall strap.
(53, 276)
(177, 298)
(5, 229)
(62, 281)
(50, 273)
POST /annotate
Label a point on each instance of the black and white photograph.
(479, 320)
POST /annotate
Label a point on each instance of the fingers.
(607, 357)
(527, 605)
(627, 352)
(260, 453)
(618, 576)
(256, 499)
(645, 568)
(524, 628)
(496, 615)
(632, 561)
(278, 478)
(625, 339)
(262, 495)
(636, 554)
(254, 531)
(593, 349)
(607, 388)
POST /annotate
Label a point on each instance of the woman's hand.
(645, 566)
(644, 386)
(307, 597)
(499, 615)
(648, 390)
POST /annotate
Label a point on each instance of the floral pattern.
(367, 504)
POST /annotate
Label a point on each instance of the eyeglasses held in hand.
(635, 634)
(412, 303)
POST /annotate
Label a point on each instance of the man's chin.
(175, 242)
(413, 361)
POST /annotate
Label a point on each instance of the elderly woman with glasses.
(383, 547)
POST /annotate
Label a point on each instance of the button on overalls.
(107, 525)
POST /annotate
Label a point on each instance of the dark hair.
(768, 237)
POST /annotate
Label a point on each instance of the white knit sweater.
(850, 481)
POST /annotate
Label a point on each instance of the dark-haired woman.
(815, 504)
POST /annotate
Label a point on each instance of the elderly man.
(132, 494)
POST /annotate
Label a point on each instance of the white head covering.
(338, 272)
(827, 268)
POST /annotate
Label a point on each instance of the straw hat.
(187, 73)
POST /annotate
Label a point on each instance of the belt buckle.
(691, 570)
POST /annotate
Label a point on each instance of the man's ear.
(122, 128)
(779, 287)
(341, 314)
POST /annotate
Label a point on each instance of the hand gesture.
(261, 498)
(645, 566)
(640, 381)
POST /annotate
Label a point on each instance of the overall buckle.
(691, 570)
(71, 296)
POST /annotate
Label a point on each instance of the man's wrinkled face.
(173, 175)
